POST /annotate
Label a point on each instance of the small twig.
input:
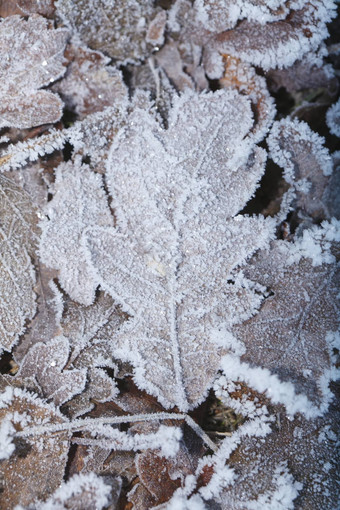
(90, 424)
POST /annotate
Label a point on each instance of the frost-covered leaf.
(169, 58)
(33, 181)
(99, 388)
(46, 363)
(243, 78)
(36, 467)
(27, 63)
(296, 329)
(18, 235)
(90, 137)
(270, 45)
(333, 119)
(160, 476)
(294, 466)
(119, 29)
(90, 330)
(220, 15)
(306, 162)
(332, 193)
(79, 202)
(90, 327)
(15, 155)
(82, 491)
(303, 75)
(89, 85)
(182, 224)
(27, 7)
(96, 459)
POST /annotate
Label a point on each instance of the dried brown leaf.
(161, 476)
(34, 61)
(89, 84)
(303, 75)
(36, 467)
(90, 329)
(118, 29)
(306, 162)
(294, 466)
(293, 333)
(26, 7)
(243, 77)
(273, 44)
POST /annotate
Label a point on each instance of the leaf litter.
(136, 295)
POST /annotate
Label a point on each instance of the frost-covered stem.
(90, 424)
(155, 74)
(17, 154)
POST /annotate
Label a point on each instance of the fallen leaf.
(29, 62)
(89, 84)
(295, 330)
(36, 467)
(45, 362)
(18, 236)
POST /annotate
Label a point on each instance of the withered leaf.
(45, 324)
(220, 15)
(295, 330)
(244, 78)
(161, 476)
(27, 7)
(89, 85)
(91, 330)
(333, 119)
(27, 63)
(45, 363)
(294, 466)
(36, 468)
(270, 45)
(306, 162)
(18, 235)
(303, 75)
(83, 491)
(117, 29)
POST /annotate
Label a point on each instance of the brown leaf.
(45, 324)
(169, 58)
(34, 61)
(306, 162)
(118, 30)
(271, 45)
(26, 7)
(243, 77)
(85, 491)
(302, 75)
(89, 84)
(292, 334)
(89, 328)
(296, 461)
(36, 467)
(161, 476)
